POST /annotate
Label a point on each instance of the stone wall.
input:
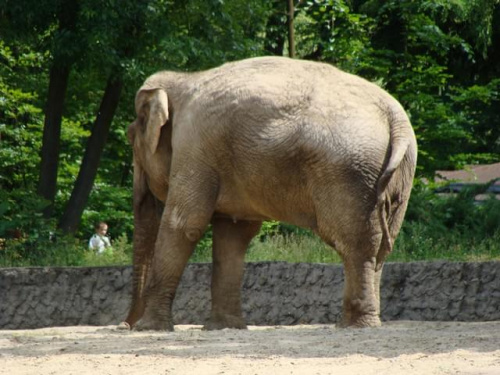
(273, 293)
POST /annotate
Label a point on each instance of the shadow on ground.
(393, 339)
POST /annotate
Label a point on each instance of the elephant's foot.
(123, 326)
(354, 316)
(148, 325)
(221, 321)
(154, 322)
(363, 321)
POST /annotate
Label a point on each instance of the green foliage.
(41, 249)
(20, 134)
(197, 35)
(21, 125)
(427, 54)
(112, 205)
(52, 249)
(440, 59)
(20, 210)
(292, 248)
(119, 254)
(329, 30)
(418, 242)
(451, 227)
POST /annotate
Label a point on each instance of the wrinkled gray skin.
(260, 139)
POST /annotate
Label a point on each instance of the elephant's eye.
(142, 117)
(131, 132)
(141, 122)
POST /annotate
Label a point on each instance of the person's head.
(101, 228)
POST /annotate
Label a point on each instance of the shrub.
(453, 227)
(119, 254)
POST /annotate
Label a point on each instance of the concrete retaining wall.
(273, 293)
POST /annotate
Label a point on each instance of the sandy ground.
(395, 348)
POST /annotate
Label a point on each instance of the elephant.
(265, 138)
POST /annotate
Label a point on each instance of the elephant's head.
(150, 137)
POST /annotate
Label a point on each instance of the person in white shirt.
(99, 241)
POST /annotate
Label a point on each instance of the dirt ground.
(395, 348)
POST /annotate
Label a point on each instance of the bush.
(62, 251)
(118, 255)
(453, 227)
(35, 251)
(112, 205)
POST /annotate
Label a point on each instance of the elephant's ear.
(153, 108)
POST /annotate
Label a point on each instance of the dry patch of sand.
(395, 348)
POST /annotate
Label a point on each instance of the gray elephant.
(259, 139)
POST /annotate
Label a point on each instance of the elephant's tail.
(402, 144)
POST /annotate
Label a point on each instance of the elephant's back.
(279, 90)
(274, 111)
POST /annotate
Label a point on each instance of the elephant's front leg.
(179, 232)
(230, 242)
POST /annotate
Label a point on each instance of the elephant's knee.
(193, 234)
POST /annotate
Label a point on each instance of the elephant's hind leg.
(361, 305)
(358, 244)
(230, 243)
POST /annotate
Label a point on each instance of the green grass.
(287, 248)
(65, 251)
(119, 255)
(413, 244)
(416, 242)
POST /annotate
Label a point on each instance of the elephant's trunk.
(140, 273)
(147, 213)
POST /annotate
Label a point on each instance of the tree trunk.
(59, 74)
(291, 31)
(47, 183)
(71, 217)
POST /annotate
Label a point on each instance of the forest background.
(69, 71)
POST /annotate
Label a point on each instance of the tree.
(127, 19)
(71, 217)
(20, 19)
(291, 30)
(429, 55)
(274, 42)
(145, 22)
(70, 70)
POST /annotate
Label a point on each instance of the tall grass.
(414, 243)
(292, 248)
(417, 242)
(282, 243)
